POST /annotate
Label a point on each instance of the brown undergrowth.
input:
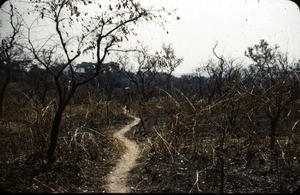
(85, 153)
(186, 146)
(182, 152)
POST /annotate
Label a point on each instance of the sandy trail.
(116, 180)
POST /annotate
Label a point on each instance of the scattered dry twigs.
(85, 151)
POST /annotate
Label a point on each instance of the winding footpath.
(116, 180)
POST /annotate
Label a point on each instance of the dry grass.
(85, 151)
(182, 147)
(182, 152)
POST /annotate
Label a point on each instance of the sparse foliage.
(235, 130)
(9, 53)
(98, 34)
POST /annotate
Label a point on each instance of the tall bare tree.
(77, 32)
(9, 53)
(273, 82)
(144, 78)
(168, 62)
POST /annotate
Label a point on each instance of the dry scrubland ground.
(179, 154)
(86, 150)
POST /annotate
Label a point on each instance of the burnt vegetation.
(227, 128)
(234, 130)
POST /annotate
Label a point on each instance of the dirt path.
(116, 180)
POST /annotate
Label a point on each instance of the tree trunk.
(55, 126)
(169, 82)
(2, 92)
(222, 176)
(54, 135)
(273, 125)
(272, 134)
(221, 160)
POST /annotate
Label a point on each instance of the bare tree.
(9, 53)
(273, 82)
(144, 78)
(221, 75)
(168, 61)
(77, 33)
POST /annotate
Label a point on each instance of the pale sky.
(235, 24)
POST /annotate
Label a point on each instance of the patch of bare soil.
(117, 179)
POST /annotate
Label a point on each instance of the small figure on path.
(128, 98)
